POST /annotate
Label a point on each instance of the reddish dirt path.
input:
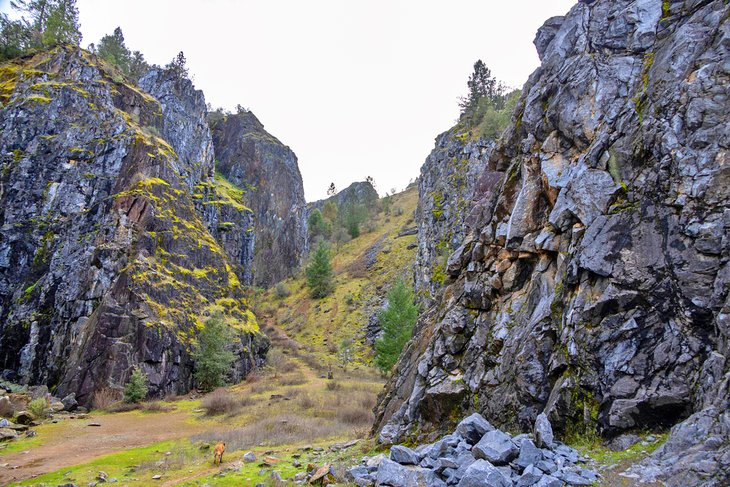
(79, 443)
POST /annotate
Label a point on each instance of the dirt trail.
(79, 443)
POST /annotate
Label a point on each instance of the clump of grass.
(220, 401)
(295, 379)
(156, 407)
(38, 407)
(333, 385)
(106, 398)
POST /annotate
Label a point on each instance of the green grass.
(122, 465)
(594, 448)
(25, 443)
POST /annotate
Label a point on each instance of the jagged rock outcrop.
(594, 286)
(445, 187)
(267, 171)
(104, 261)
(358, 193)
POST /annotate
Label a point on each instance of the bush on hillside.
(136, 388)
(213, 361)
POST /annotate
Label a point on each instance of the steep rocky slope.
(594, 286)
(253, 159)
(358, 193)
(104, 261)
(445, 189)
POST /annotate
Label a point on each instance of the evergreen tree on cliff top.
(396, 322)
(320, 277)
(44, 24)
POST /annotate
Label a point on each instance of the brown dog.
(218, 454)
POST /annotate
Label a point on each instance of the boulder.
(70, 403)
(473, 427)
(529, 477)
(24, 417)
(249, 457)
(529, 454)
(481, 473)
(403, 455)
(543, 432)
(624, 442)
(496, 447)
(7, 434)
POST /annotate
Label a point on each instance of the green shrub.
(212, 360)
(136, 388)
(396, 322)
(38, 407)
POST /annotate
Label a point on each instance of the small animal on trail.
(218, 454)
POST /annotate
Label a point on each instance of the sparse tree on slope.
(396, 322)
(320, 277)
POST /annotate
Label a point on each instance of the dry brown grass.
(220, 401)
(295, 379)
(156, 407)
(106, 398)
(276, 430)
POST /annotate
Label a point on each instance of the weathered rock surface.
(446, 187)
(267, 171)
(104, 261)
(594, 284)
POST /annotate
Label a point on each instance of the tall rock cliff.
(267, 170)
(594, 285)
(104, 261)
(445, 190)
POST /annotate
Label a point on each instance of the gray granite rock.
(496, 447)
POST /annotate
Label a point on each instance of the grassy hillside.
(364, 269)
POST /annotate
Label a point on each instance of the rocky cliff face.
(445, 190)
(267, 170)
(594, 285)
(104, 261)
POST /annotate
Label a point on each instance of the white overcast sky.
(355, 87)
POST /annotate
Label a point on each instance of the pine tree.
(136, 388)
(43, 24)
(111, 48)
(482, 85)
(212, 360)
(178, 66)
(62, 24)
(396, 322)
(320, 277)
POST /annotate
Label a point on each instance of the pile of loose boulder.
(477, 454)
(16, 418)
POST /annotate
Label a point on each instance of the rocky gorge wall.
(593, 285)
(108, 199)
(267, 170)
(446, 188)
